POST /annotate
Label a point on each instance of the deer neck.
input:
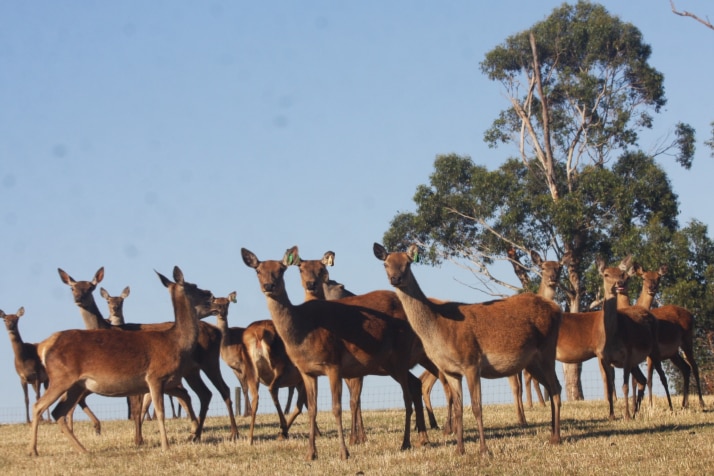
(92, 316)
(222, 325)
(546, 292)
(116, 319)
(623, 300)
(645, 299)
(420, 314)
(16, 342)
(186, 320)
(284, 315)
(609, 313)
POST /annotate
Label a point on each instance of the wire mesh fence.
(377, 393)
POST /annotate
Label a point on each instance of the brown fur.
(206, 355)
(27, 363)
(257, 355)
(675, 331)
(493, 339)
(349, 338)
(316, 282)
(630, 335)
(114, 363)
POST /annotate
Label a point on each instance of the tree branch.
(685, 13)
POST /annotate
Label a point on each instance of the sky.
(142, 135)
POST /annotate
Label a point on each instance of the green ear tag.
(290, 259)
(416, 257)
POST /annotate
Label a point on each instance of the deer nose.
(310, 285)
(395, 280)
(268, 287)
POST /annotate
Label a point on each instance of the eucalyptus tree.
(580, 88)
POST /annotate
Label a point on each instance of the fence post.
(238, 392)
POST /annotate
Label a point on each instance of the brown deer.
(257, 355)
(116, 318)
(114, 363)
(493, 339)
(206, 356)
(27, 363)
(350, 338)
(316, 282)
(630, 335)
(30, 368)
(675, 331)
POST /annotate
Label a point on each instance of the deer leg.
(454, 383)
(291, 391)
(517, 390)
(536, 388)
(662, 378)
(357, 433)
(686, 371)
(473, 380)
(311, 392)
(544, 372)
(87, 411)
(415, 393)
(135, 407)
(213, 372)
(253, 386)
(27, 401)
(184, 400)
(273, 389)
(157, 397)
(448, 426)
(609, 377)
(641, 380)
(193, 378)
(427, 384)
(689, 356)
(333, 374)
(70, 400)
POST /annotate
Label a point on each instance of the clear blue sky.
(141, 135)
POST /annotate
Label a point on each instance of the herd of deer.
(340, 335)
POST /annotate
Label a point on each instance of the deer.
(256, 354)
(675, 331)
(550, 272)
(630, 336)
(492, 339)
(116, 318)
(206, 357)
(316, 282)
(349, 338)
(114, 363)
(30, 368)
(27, 363)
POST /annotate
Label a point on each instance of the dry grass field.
(657, 442)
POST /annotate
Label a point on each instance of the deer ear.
(249, 258)
(164, 280)
(663, 270)
(98, 276)
(413, 253)
(291, 257)
(328, 259)
(103, 292)
(20, 312)
(125, 292)
(232, 297)
(379, 251)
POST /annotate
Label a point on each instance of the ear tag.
(290, 259)
(416, 257)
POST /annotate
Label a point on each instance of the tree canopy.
(580, 88)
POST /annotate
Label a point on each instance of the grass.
(657, 442)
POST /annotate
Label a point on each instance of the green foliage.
(598, 85)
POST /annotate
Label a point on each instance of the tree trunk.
(573, 384)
